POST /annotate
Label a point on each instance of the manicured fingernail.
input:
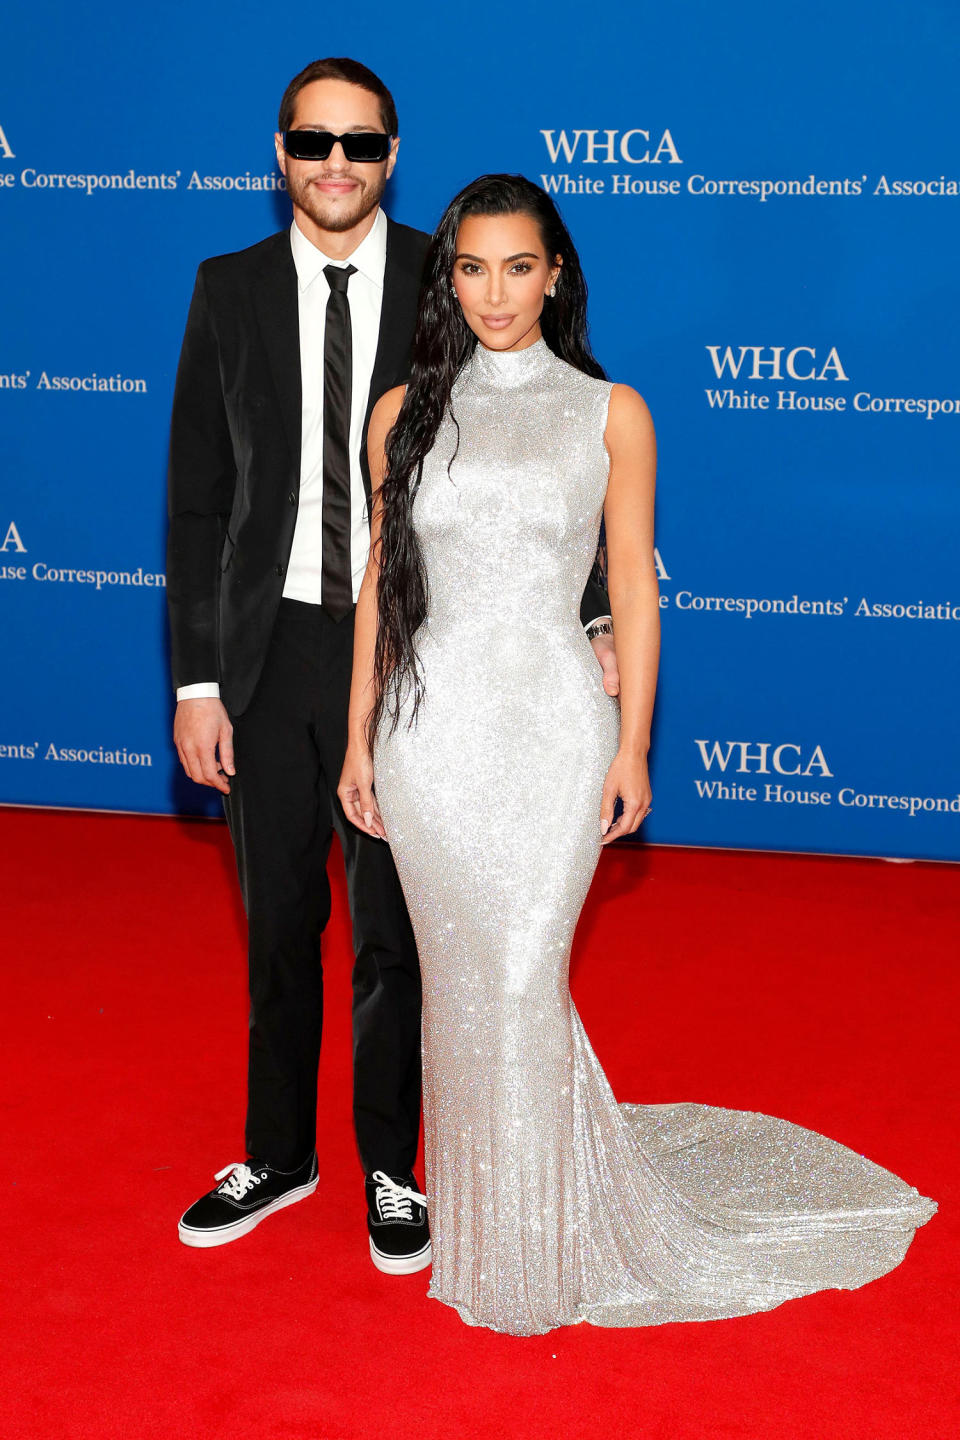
(368, 817)
(604, 826)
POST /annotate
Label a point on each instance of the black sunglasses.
(362, 147)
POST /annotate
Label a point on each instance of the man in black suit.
(288, 346)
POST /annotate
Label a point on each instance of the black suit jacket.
(234, 473)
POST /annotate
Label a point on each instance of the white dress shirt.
(365, 296)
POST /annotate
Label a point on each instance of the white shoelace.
(241, 1180)
(394, 1201)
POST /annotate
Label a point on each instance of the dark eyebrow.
(523, 255)
(353, 130)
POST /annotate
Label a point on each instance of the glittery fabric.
(550, 1203)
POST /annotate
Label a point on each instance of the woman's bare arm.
(356, 781)
(634, 602)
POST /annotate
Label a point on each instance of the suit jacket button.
(292, 498)
(279, 569)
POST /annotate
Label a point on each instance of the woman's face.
(501, 275)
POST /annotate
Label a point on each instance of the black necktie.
(336, 579)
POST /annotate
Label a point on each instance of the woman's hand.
(356, 791)
(628, 779)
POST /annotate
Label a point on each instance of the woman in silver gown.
(478, 707)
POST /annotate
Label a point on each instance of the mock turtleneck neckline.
(511, 367)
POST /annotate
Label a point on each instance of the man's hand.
(199, 728)
(606, 652)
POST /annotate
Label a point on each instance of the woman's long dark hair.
(442, 345)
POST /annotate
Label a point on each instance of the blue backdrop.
(765, 201)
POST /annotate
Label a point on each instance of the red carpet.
(821, 990)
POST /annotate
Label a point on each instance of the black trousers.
(282, 811)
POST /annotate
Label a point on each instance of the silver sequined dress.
(550, 1203)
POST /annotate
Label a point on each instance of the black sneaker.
(397, 1221)
(248, 1194)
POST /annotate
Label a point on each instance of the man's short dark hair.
(339, 68)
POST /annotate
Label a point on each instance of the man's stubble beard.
(329, 216)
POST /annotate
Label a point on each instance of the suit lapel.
(277, 311)
(393, 342)
(401, 287)
(279, 321)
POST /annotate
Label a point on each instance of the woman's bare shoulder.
(627, 406)
(384, 413)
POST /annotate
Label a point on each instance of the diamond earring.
(552, 291)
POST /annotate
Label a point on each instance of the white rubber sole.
(401, 1264)
(206, 1239)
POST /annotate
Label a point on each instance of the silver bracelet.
(599, 627)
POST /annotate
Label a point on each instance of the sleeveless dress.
(550, 1203)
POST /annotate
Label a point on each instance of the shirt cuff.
(597, 620)
(208, 690)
